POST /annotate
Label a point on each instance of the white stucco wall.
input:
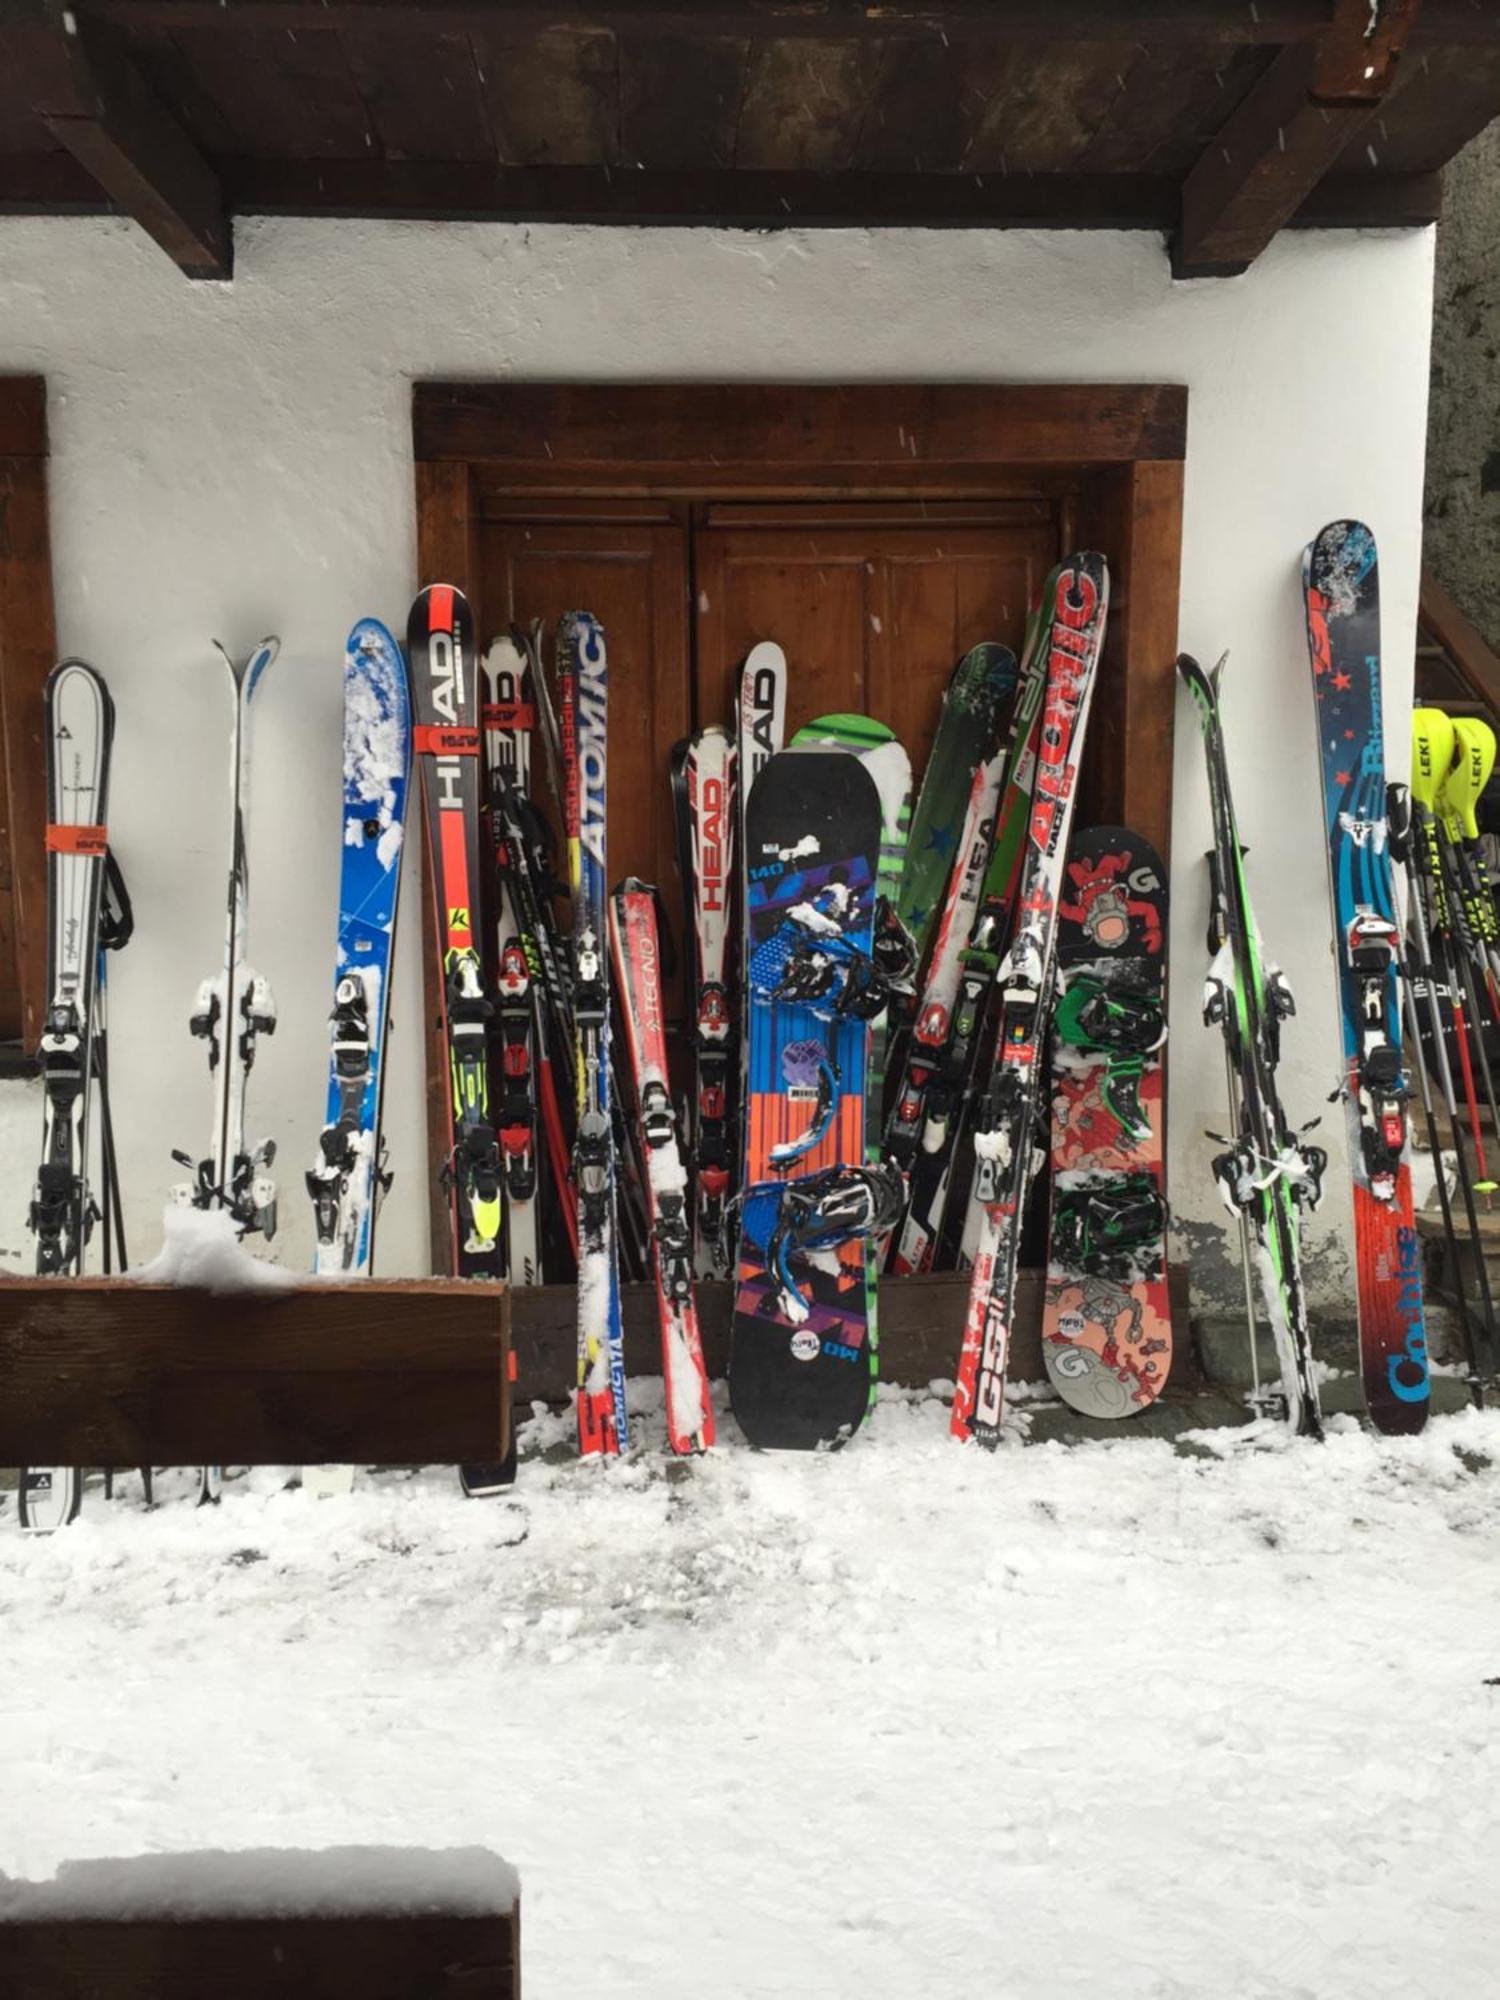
(232, 460)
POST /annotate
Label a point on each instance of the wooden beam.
(1209, 23)
(713, 439)
(1253, 176)
(108, 1372)
(96, 104)
(1477, 665)
(921, 1328)
(1212, 22)
(737, 197)
(28, 652)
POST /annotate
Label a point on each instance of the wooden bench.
(341, 1923)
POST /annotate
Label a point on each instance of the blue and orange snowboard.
(801, 1371)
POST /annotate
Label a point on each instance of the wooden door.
(873, 605)
(632, 574)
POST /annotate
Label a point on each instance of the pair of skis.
(1269, 1174)
(87, 915)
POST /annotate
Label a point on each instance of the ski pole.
(1413, 968)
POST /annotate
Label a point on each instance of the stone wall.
(1462, 504)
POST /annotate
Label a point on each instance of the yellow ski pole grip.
(1432, 742)
(1474, 759)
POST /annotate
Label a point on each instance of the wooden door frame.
(28, 652)
(1114, 452)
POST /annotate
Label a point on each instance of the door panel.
(872, 618)
(634, 579)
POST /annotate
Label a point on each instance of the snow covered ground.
(904, 1721)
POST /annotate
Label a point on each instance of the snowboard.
(1106, 1317)
(800, 1365)
(1341, 584)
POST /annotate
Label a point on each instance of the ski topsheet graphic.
(344, 1180)
(440, 640)
(1005, 1128)
(1106, 1317)
(583, 686)
(800, 1370)
(637, 956)
(704, 785)
(1267, 1173)
(1341, 584)
(235, 1007)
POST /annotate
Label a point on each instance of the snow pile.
(269, 1881)
(202, 1247)
(908, 1721)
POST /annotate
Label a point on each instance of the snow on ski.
(1005, 1134)
(637, 956)
(1266, 1173)
(583, 689)
(1341, 589)
(346, 1177)
(235, 1007)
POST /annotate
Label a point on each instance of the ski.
(508, 718)
(236, 1007)
(78, 725)
(760, 718)
(583, 689)
(445, 739)
(348, 1175)
(637, 956)
(1106, 1313)
(1266, 1173)
(1005, 1127)
(968, 734)
(801, 1368)
(1341, 592)
(919, 1150)
(704, 771)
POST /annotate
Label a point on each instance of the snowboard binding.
(820, 1214)
(1102, 1229)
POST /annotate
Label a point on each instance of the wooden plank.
(28, 651)
(927, 100)
(104, 1371)
(712, 439)
(921, 1329)
(554, 97)
(96, 104)
(424, 99)
(1175, 98)
(334, 1955)
(447, 552)
(1134, 514)
(1441, 99)
(680, 99)
(804, 103)
(286, 93)
(1047, 106)
(1439, 616)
